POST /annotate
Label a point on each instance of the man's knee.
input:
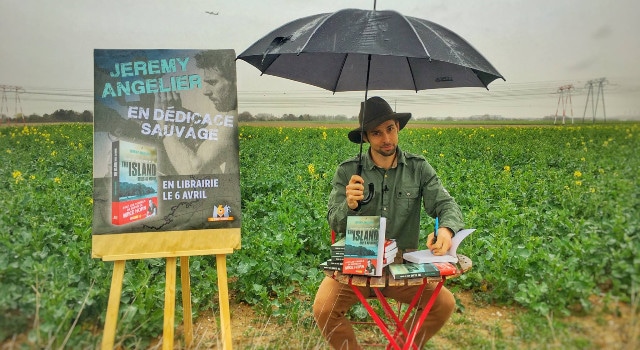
(446, 302)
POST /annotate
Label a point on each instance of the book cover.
(134, 194)
(413, 270)
(426, 256)
(364, 245)
(445, 268)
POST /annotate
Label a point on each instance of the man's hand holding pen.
(442, 243)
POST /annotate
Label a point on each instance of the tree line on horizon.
(70, 116)
(59, 116)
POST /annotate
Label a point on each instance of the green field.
(557, 212)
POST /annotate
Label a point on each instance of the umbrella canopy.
(335, 51)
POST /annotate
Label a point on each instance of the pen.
(435, 232)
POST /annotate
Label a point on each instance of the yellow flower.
(582, 159)
(441, 155)
(17, 175)
(311, 168)
(592, 190)
(53, 153)
(578, 183)
(9, 151)
(507, 168)
(57, 180)
(577, 173)
(32, 177)
(324, 135)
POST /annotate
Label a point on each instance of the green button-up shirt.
(398, 193)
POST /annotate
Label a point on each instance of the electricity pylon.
(594, 109)
(564, 95)
(4, 104)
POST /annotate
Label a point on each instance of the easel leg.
(186, 300)
(225, 316)
(169, 304)
(111, 320)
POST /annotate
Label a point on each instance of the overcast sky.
(46, 48)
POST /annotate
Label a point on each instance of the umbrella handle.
(369, 196)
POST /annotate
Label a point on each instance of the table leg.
(383, 327)
(392, 315)
(400, 323)
(423, 314)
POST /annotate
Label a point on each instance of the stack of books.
(337, 255)
(390, 252)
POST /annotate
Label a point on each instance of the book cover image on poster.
(134, 182)
(181, 106)
(364, 245)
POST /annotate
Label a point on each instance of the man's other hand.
(355, 191)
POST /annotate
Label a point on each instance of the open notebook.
(426, 256)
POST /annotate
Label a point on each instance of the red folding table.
(397, 321)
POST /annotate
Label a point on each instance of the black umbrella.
(361, 50)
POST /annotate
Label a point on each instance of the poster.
(165, 141)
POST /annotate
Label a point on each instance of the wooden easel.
(129, 248)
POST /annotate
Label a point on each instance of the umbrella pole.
(369, 197)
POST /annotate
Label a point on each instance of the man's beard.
(386, 153)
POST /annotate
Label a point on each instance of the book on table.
(413, 270)
(445, 268)
(419, 270)
(426, 256)
(337, 255)
(364, 245)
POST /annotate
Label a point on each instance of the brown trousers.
(334, 299)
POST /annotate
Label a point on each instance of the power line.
(511, 95)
